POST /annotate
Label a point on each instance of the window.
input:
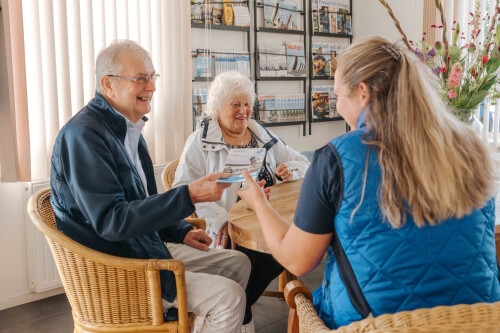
(51, 48)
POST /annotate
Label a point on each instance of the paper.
(240, 159)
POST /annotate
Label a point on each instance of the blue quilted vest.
(407, 268)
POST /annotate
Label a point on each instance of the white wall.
(369, 18)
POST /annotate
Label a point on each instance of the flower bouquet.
(468, 69)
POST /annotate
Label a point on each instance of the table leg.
(284, 278)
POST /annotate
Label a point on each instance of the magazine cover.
(203, 63)
(270, 12)
(323, 15)
(341, 21)
(315, 19)
(333, 22)
(196, 11)
(242, 63)
(263, 69)
(241, 15)
(287, 19)
(199, 102)
(295, 59)
(320, 59)
(348, 27)
(333, 60)
(228, 12)
(217, 14)
(267, 107)
(321, 105)
(207, 13)
(240, 159)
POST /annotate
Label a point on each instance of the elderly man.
(104, 192)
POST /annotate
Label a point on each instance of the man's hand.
(198, 239)
(206, 189)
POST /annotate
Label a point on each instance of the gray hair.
(106, 63)
(225, 85)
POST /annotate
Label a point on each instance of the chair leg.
(293, 322)
(284, 278)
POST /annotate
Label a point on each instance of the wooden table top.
(244, 229)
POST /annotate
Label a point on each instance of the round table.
(244, 228)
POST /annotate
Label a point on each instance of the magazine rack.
(289, 108)
(205, 58)
(330, 28)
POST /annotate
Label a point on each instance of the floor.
(53, 315)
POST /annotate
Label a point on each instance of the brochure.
(240, 159)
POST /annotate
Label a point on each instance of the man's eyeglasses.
(141, 80)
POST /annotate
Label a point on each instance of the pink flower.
(452, 94)
(455, 75)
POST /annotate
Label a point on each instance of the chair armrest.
(294, 287)
(302, 313)
(197, 222)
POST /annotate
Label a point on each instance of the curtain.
(51, 47)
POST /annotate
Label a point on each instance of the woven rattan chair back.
(167, 179)
(479, 317)
(108, 293)
(168, 175)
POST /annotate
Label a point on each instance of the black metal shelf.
(259, 28)
(287, 123)
(325, 78)
(262, 5)
(202, 79)
(312, 78)
(281, 78)
(327, 34)
(222, 27)
(282, 31)
(219, 27)
(326, 119)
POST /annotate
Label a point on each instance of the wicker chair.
(108, 293)
(479, 317)
(167, 179)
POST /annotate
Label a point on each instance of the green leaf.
(494, 62)
(477, 98)
(456, 34)
(489, 82)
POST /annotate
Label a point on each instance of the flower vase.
(469, 117)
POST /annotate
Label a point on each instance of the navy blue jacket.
(99, 199)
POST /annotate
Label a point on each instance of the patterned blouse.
(264, 173)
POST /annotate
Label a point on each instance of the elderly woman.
(230, 102)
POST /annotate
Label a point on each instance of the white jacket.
(205, 152)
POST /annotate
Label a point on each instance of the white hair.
(226, 85)
(107, 64)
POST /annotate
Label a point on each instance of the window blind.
(52, 47)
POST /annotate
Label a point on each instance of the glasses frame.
(137, 80)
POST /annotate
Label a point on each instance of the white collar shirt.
(132, 146)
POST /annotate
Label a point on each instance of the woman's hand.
(284, 172)
(254, 195)
(222, 238)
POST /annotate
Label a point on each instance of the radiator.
(42, 270)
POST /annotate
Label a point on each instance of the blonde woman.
(402, 204)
